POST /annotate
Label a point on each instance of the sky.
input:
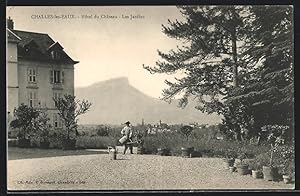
(108, 45)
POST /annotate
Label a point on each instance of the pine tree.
(237, 60)
(268, 93)
(208, 56)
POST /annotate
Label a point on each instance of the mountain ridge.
(116, 101)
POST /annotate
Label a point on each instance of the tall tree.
(268, 93)
(208, 57)
(235, 59)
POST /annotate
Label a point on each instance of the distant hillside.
(116, 101)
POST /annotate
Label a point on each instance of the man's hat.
(127, 123)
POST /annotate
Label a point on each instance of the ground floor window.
(57, 121)
(56, 95)
(32, 98)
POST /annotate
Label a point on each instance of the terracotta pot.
(163, 151)
(232, 169)
(243, 169)
(184, 152)
(256, 174)
(187, 152)
(286, 179)
(229, 163)
(270, 173)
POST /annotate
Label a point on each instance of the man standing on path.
(127, 132)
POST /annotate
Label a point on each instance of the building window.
(55, 54)
(31, 75)
(32, 98)
(56, 95)
(57, 76)
(57, 122)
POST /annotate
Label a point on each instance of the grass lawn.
(15, 153)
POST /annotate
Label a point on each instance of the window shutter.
(34, 98)
(62, 77)
(35, 74)
(28, 98)
(51, 76)
(28, 74)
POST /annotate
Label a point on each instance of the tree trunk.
(271, 157)
(234, 58)
(234, 51)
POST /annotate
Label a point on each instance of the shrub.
(102, 130)
(95, 142)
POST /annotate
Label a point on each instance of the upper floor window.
(31, 74)
(55, 54)
(57, 76)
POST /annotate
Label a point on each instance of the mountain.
(115, 101)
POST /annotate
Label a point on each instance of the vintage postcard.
(150, 98)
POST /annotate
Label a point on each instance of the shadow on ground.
(15, 153)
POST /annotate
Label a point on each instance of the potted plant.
(229, 159)
(242, 167)
(163, 151)
(275, 139)
(289, 174)
(232, 169)
(288, 155)
(255, 168)
(186, 150)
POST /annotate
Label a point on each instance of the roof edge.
(13, 34)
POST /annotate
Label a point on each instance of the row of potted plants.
(269, 173)
(266, 165)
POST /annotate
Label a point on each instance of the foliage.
(242, 156)
(69, 109)
(275, 138)
(254, 165)
(95, 142)
(102, 130)
(260, 160)
(31, 123)
(267, 93)
(287, 155)
(24, 116)
(41, 127)
(250, 85)
(230, 154)
(186, 130)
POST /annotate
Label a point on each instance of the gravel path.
(98, 172)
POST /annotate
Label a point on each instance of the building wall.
(43, 87)
(12, 76)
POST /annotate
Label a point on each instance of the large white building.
(37, 70)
